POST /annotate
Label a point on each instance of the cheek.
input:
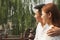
(44, 17)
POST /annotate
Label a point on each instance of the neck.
(49, 23)
(42, 24)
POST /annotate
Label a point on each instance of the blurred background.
(17, 20)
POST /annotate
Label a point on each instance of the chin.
(44, 22)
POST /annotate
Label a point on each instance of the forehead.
(37, 11)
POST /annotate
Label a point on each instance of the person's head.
(38, 12)
(50, 14)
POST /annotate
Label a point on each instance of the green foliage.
(18, 13)
(58, 3)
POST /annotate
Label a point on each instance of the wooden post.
(0, 37)
(31, 35)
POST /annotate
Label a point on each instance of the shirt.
(38, 31)
(41, 33)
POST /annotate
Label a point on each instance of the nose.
(41, 16)
(35, 16)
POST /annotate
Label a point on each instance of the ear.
(49, 14)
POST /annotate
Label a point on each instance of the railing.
(28, 35)
(11, 39)
(16, 37)
(6, 37)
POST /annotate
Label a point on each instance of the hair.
(39, 7)
(51, 7)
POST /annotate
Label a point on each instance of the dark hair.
(39, 7)
(51, 7)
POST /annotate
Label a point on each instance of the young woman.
(51, 17)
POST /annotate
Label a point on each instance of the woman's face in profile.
(44, 16)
